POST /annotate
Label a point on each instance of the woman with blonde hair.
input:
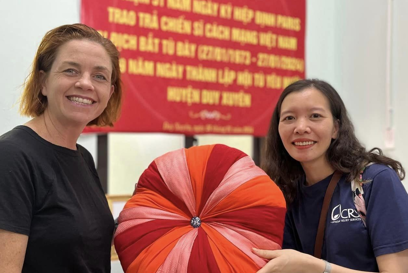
(54, 216)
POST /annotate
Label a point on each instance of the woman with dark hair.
(345, 205)
(54, 216)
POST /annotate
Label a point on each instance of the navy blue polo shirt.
(348, 241)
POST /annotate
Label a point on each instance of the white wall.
(23, 24)
(361, 58)
(131, 154)
(399, 81)
(346, 46)
(360, 50)
(320, 40)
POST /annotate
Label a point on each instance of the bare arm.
(293, 261)
(395, 262)
(12, 251)
(389, 263)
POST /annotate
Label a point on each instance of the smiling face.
(78, 86)
(306, 127)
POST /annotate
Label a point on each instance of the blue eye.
(70, 71)
(100, 77)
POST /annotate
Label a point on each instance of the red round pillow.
(200, 210)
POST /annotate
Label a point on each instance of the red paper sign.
(198, 66)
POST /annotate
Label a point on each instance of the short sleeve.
(87, 156)
(17, 193)
(387, 213)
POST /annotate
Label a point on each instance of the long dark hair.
(345, 153)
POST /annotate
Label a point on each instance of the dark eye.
(315, 115)
(288, 118)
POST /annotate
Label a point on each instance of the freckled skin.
(81, 69)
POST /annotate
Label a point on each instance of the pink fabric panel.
(148, 213)
(131, 223)
(260, 241)
(178, 258)
(240, 172)
(143, 214)
(174, 171)
(241, 242)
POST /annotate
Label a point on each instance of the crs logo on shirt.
(339, 214)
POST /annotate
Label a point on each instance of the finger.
(267, 254)
(268, 268)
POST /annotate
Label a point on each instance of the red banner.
(201, 67)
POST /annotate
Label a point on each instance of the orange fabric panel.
(197, 164)
(229, 258)
(152, 257)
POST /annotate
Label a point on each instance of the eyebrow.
(100, 67)
(311, 109)
(71, 63)
(77, 65)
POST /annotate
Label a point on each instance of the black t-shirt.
(53, 195)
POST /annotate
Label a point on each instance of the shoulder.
(21, 148)
(19, 159)
(86, 155)
(386, 201)
(18, 140)
(383, 183)
(376, 172)
(10, 136)
(12, 145)
(375, 169)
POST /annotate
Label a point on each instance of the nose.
(85, 82)
(302, 126)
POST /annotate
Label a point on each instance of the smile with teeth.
(81, 100)
(304, 143)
